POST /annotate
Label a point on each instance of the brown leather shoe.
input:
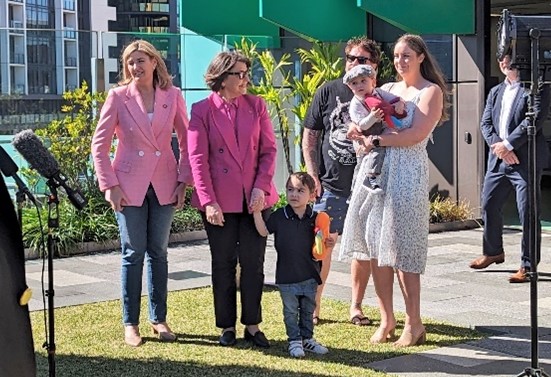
(486, 260)
(520, 276)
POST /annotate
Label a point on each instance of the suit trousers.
(497, 187)
(236, 242)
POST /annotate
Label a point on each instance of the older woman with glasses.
(232, 152)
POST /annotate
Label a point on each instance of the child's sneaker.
(311, 345)
(295, 348)
(372, 184)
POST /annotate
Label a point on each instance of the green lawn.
(89, 341)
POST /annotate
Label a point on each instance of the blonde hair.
(161, 77)
(430, 69)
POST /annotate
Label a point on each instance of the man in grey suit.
(504, 127)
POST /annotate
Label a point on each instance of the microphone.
(32, 149)
(10, 169)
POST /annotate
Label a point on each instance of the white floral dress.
(392, 227)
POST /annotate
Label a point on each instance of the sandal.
(360, 320)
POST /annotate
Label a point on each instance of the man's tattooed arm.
(310, 151)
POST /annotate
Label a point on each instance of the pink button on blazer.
(144, 153)
(225, 168)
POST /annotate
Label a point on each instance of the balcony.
(69, 33)
(16, 27)
(69, 5)
(151, 7)
(70, 62)
(17, 59)
(42, 89)
(18, 89)
(153, 29)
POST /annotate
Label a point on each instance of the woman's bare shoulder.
(431, 90)
(387, 87)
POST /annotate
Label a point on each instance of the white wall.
(100, 15)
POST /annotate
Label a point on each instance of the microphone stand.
(533, 239)
(20, 200)
(53, 223)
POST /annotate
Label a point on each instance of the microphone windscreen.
(7, 165)
(32, 150)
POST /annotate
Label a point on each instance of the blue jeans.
(299, 302)
(144, 232)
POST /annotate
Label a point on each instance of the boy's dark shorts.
(336, 207)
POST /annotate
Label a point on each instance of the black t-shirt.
(294, 238)
(329, 114)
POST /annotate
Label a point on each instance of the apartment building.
(51, 46)
(39, 43)
(39, 59)
(117, 22)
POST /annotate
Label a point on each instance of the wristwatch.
(376, 141)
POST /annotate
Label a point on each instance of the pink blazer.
(225, 170)
(143, 154)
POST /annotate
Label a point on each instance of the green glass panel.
(327, 20)
(425, 16)
(227, 21)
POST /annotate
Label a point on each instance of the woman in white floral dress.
(391, 230)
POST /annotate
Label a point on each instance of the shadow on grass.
(85, 366)
(97, 348)
(80, 366)
(508, 354)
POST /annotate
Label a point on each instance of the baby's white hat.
(357, 71)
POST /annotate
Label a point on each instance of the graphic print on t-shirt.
(341, 149)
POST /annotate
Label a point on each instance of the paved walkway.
(451, 292)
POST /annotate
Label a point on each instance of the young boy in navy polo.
(297, 273)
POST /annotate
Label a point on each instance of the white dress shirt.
(509, 95)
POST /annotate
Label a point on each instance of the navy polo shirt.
(294, 238)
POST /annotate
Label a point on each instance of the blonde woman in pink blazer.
(232, 152)
(143, 183)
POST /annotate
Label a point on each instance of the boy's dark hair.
(304, 178)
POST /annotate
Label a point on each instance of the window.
(41, 63)
(40, 50)
(40, 14)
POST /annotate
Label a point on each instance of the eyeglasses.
(241, 74)
(360, 59)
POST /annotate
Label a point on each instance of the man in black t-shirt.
(330, 158)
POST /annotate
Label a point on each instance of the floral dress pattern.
(392, 226)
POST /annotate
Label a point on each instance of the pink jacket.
(143, 154)
(226, 169)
